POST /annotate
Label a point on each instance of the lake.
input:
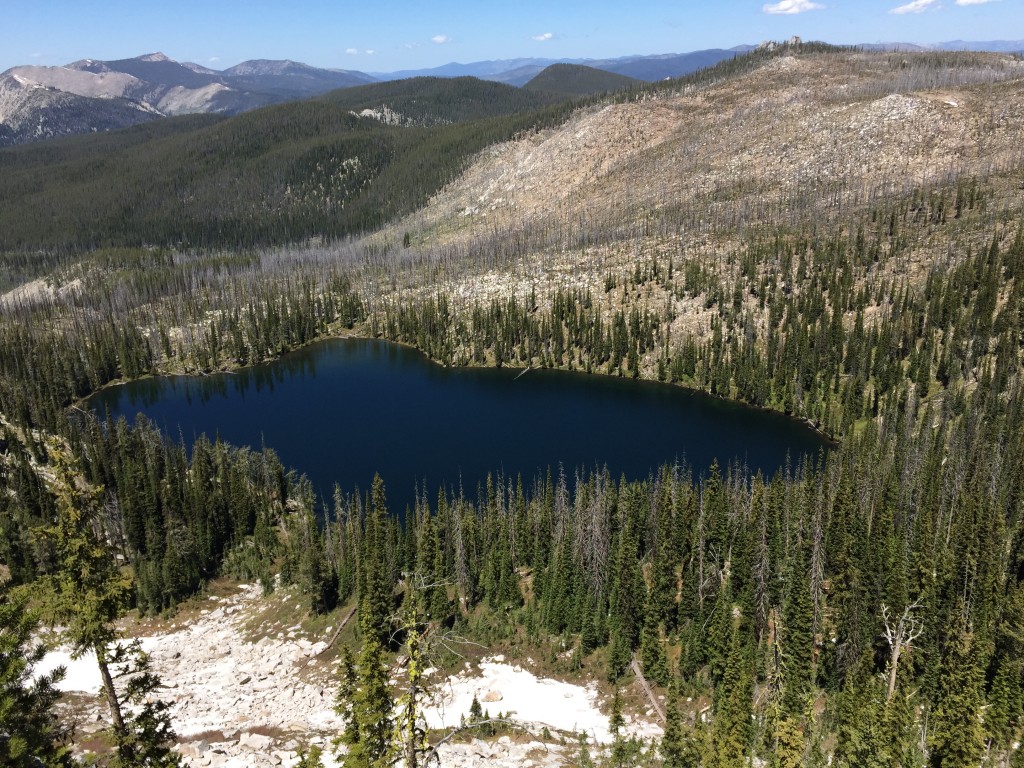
(342, 409)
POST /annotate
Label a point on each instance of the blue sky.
(402, 34)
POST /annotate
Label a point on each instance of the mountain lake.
(342, 409)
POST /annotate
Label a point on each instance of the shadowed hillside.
(577, 80)
(437, 101)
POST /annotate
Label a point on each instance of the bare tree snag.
(900, 635)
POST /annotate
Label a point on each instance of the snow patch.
(81, 675)
(526, 698)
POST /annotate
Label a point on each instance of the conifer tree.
(30, 733)
(652, 651)
(955, 737)
(784, 731)
(88, 594)
(344, 703)
(719, 633)
(733, 699)
(627, 591)
(411, 733)
(624, 751)
(798, 640)
(788, 751)
(148, 735)
(858, 720)
(365, 703)
(375, 599)
(678, 749)
(1004, 704)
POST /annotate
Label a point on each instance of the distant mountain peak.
(88, 65)
(269, 67)
(154, 57)
(199, 68)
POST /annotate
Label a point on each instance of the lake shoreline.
(227, 369)
(345, 409)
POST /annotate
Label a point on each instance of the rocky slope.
(697, 168)
(31, 110)
(250, 688)
(818, 131)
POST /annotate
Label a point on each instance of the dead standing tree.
(900, 634)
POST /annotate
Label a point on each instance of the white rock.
(255, 741)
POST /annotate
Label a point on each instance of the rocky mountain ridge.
(89, 95)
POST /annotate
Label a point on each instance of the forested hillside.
(279, 174)
(832, 234)
(439, 101)
(576, 80)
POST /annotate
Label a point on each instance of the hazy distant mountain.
(520, 71)
(519, 76)
(577, 80)
(652, 68)
(996, 46)
(291, 79)
(485, 70)
(103, 95)
(993, 46)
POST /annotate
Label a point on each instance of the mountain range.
(89, 96)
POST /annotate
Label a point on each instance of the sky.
(404, 34)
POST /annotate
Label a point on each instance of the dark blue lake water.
(341, 410)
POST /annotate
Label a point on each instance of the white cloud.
(214, 59)
(411, 46)
(916, 6)
(974, 2)
(792, 6)
(369, 51)
(440, 39)
(543, 38)
(352, 51)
